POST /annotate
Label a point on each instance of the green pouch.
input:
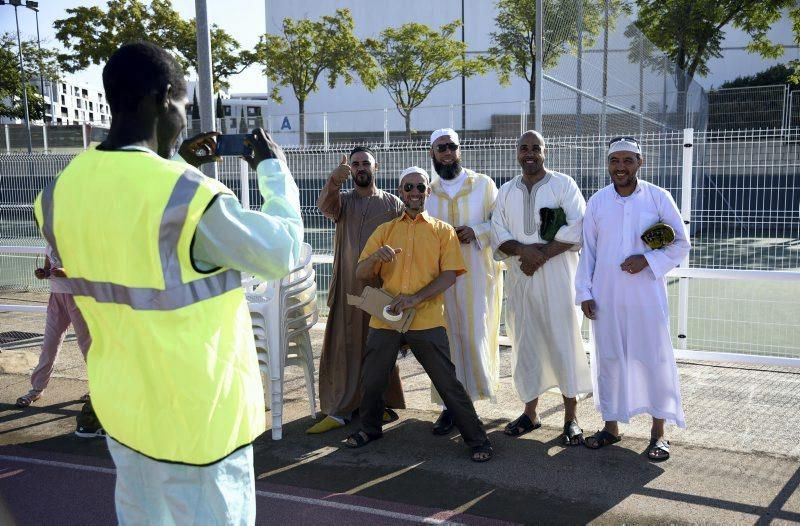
(551, 220)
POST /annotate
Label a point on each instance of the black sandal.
(658, 450)
(521, 425)
(360, 439)
(482, 453)
(572, 435)
(601, 439)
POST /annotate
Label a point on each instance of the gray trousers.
(432, 350)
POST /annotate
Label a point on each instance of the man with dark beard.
(465, 199)
(357, 213)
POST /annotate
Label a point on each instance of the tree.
(413, 59)
(514, 44)
(35, 61)
(91, 34)
(195, 107)
(777, 74)
(691, 32)
(306, 49)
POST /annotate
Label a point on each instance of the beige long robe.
(356, 217)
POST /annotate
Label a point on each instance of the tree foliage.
(307, 49)
(777, 74)
(11, 101)
(91, 34)
(413, 59)
(514, 43)
(691, 32)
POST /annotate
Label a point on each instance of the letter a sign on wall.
(285, 124)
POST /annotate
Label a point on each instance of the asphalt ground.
(738, 462)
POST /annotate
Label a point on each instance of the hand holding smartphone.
(233, 145)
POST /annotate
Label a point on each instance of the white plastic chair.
(282, 314)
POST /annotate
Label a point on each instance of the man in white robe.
(465, 200)
(621, 287)
(542, 320)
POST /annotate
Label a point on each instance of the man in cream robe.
(621, 287)
(542, 320)
(465, 200)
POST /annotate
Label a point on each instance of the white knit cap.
(624, 145)
(415, 170)
(441, 132)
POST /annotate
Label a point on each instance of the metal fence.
(741, 191)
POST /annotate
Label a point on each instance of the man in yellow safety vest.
(153, 251)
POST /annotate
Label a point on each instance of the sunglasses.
(410, 186)
(441, 148)
(623, 138)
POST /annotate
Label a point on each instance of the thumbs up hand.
(342, 172)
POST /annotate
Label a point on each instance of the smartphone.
(232, 145)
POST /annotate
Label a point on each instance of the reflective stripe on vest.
(175, 294)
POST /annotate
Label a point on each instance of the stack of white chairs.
(282, 313)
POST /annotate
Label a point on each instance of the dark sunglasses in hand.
(410, 186)
(441, 148)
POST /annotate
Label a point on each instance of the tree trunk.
(301, 105)
(407, 117)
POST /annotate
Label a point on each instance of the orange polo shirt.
(430, 247)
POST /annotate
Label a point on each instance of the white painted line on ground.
(359, 509)
(56, 464)
(269, 494)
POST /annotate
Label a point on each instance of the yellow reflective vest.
(172, 366)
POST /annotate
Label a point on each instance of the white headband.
(441, 132)
(414, 170)
(624, 145)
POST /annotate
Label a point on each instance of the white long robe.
(634, 369)
(473, 304)
(542, 320)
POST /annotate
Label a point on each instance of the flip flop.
(360, 439)
(572, 435)
(482, 453)
(658, 450)
(323, 426)
(27, 399)
(521, 425)
(601, 439)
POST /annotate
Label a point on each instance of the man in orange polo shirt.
(417, 258)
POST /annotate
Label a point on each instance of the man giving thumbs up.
(357, 213)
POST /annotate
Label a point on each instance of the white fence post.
(386, 127)
(325, 131)
(44, 138)
(8, 139)
(523, 117)
(686, 215)
(244, 176)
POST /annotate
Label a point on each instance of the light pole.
(33, 6)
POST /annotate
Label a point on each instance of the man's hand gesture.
(385, 254)
(341, 173)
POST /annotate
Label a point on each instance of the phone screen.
(232, 145)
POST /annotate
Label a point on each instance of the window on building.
(91, 116)
(85, 93)
(64, 111)
(227, 110)
(91, 106)
(253, 111)
(251, 122)
(63, 100)
(77, 115)
(64, 88)
(78, 103)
